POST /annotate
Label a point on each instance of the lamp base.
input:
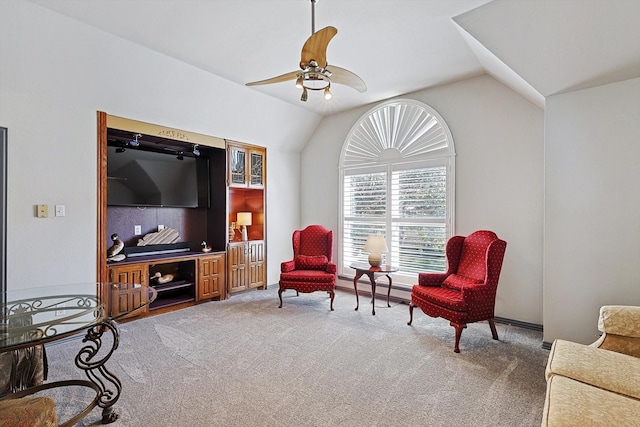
(244, 233)
(375, 259)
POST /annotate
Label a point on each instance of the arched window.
(397, 170)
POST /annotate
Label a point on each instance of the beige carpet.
(244, 362)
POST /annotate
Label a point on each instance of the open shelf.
(171, 286)
(173, 300)
(180, 290)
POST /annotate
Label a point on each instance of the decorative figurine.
(113, 253)
(205, 247)
(161, 279)
(232, 231)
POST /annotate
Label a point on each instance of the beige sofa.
(597, 384)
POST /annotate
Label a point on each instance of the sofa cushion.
(443, 297)
(605, 369)
(456, 281)
(28, 411)
(312, 276)
(571, 403)
(305, 262)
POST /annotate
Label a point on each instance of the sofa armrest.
(331, 268)
(431, 279)
(287, 266)
(621, 329)
(620, 320)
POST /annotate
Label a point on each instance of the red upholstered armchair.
(312, 268)
(466, 292)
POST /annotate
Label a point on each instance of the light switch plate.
(60, 211)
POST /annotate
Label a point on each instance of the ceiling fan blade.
(346, 77)
(315, 48)
(283, 78)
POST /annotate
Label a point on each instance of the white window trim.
(441, 157)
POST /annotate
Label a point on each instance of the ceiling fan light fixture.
(327, 93)
(313, 63)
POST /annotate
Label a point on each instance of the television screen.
(138, 177)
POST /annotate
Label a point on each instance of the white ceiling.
(538, 48)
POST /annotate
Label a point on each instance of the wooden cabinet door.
(210, 276)
(237, 267)
(256, 264)
(124, 297)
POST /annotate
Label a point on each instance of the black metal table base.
(91, 360)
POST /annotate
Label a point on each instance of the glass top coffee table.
(31, 317)
(363, 268)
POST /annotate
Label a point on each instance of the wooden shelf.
(171, 286)
(167, 302)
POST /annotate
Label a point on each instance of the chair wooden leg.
(333, 294)
(410, 314)
(458, 327)
(280, 296)
(494, 332)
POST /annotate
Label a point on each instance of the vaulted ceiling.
(539, 48)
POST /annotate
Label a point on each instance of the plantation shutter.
(397, 170)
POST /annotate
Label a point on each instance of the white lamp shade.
(244, 218)
(376, 246)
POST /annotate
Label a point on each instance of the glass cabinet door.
(257, 170)
(237, 165)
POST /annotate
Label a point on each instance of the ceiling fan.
(315, 72)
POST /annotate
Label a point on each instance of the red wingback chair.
(466, 292)
(312, 268)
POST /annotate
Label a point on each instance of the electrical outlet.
(160, 227)
(137, 230)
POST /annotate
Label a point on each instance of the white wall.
(55, 73)
(498, 137)
(592, 207)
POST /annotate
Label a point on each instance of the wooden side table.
(363, 268)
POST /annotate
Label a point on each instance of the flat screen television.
(137, 177)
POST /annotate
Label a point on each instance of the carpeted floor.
(244, 362)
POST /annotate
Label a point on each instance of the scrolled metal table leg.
(92, 360)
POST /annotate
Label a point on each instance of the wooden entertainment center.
(236, 182)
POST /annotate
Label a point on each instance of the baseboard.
(520, 324)
(400, 300)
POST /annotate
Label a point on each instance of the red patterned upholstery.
(312, 268)
(466, 292)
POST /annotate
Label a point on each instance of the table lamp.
(375, 245)
(244, 219)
